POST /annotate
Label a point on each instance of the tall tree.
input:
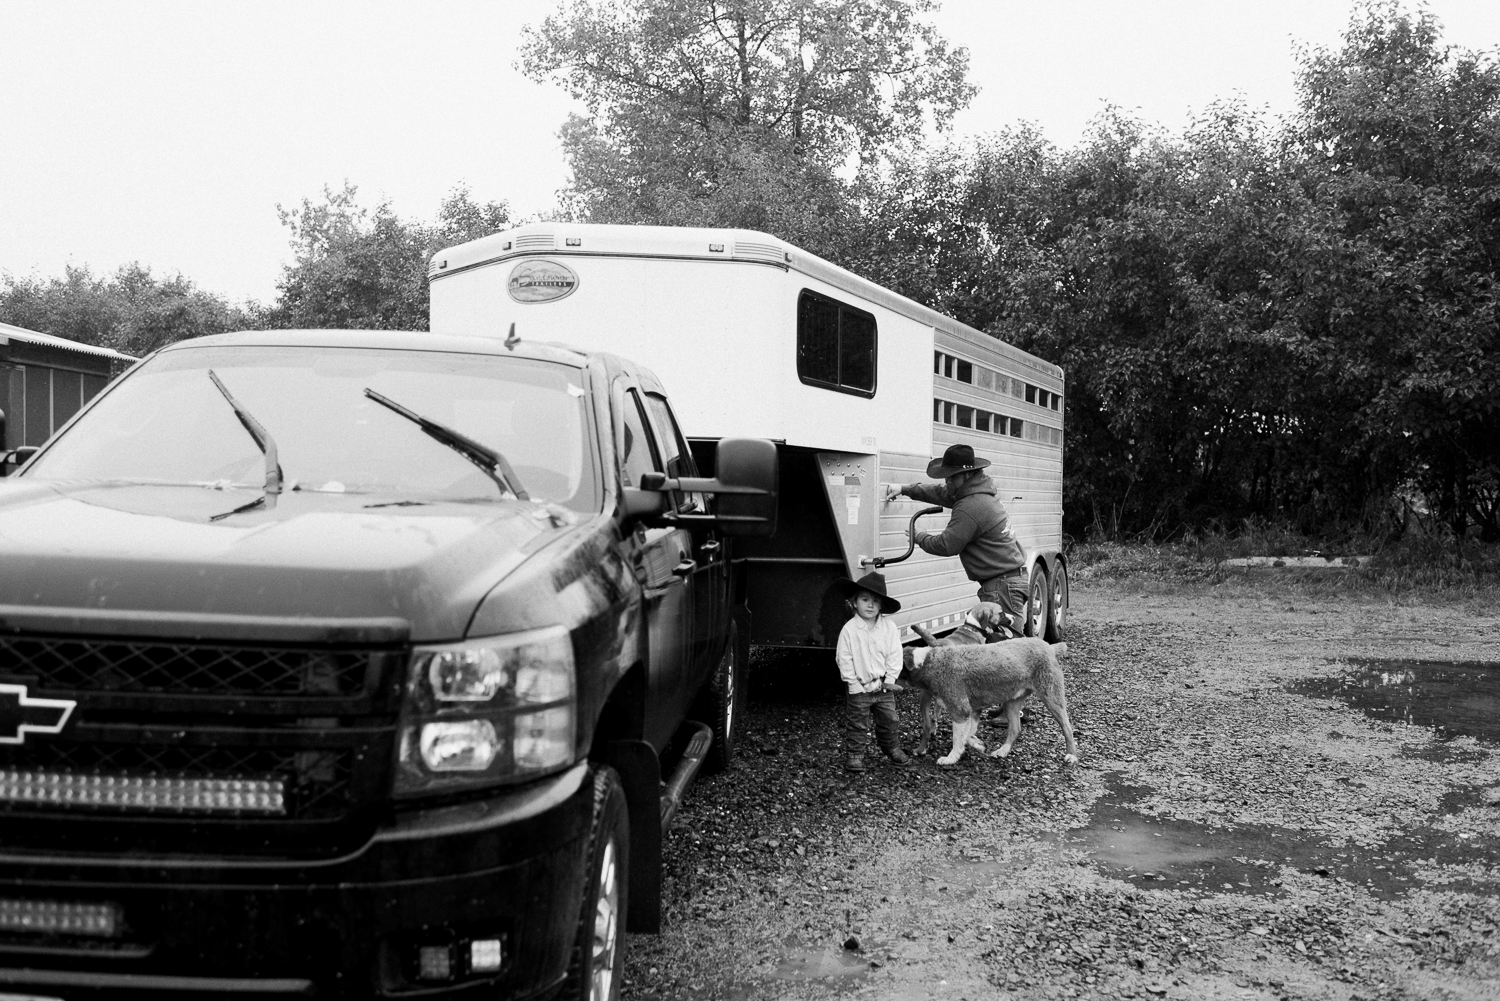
(355, 267)
(739, 112)
(1401, 139)
(132, 311)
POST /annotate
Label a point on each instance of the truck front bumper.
(509, 869)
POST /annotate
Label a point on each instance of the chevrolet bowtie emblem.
(20, 715)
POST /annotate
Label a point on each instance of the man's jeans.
(858, 708)
(1011, 592)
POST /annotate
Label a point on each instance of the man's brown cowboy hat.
(873, 582)
(958, 459)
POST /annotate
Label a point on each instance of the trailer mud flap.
(640, 774)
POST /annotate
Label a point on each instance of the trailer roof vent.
(771, 254)
(536, 241)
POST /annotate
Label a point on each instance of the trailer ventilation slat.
(536, 241)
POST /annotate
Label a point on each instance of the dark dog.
(963, 677)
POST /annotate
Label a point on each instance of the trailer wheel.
(598, 961)
(1057, 622)
(1036, 606)
(723, 704)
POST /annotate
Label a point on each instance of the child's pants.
(858, 707)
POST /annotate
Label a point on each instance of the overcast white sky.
(167, 131)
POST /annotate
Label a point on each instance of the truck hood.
(134, 549)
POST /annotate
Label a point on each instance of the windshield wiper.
(486, 458)
(267, 446)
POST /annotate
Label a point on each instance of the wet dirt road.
(1265, 808)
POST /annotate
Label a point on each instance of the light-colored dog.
(966, 677)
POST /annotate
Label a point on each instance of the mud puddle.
(1157, 853)
(1455, 698)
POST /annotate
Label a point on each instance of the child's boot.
(854, 763)
(898, 756)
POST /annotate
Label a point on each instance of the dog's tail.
(1060, 649)
(931, 639)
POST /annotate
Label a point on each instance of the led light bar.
(52, 917)
(128, 792)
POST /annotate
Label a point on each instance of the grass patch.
(1416, 564)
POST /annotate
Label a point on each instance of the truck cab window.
(679, 458)
(637, 451)
(836, 345)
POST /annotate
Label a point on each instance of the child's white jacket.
(869, 653)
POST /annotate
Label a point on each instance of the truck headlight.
(487, 711)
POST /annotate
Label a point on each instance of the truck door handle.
(686, 567)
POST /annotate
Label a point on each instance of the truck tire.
(722, 704)
(1057, 621)
(597, 966)
(1037, 604)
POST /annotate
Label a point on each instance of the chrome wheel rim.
(729, 694)
(1038, 598)
(606, 927)
(1060, 600)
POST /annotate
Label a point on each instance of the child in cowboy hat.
(978, 532)
(869, 658)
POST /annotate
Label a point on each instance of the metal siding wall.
(38, 405)
(67, 395)
(93, 385)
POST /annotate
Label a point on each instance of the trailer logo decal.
(541, 281)
(20, 715)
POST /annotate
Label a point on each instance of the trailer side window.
(835, 345)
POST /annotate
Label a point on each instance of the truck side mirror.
(747, 462)
(647, 505)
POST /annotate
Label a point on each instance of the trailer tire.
(1036, 602)
(596, 968)
(1057, 619)
(722, 704)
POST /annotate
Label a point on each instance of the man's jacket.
(978, 533)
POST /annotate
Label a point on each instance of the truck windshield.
(166, 423)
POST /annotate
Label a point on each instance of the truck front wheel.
(722, 703)
(598, 962)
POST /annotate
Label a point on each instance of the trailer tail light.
(487, 711)
(53, 917)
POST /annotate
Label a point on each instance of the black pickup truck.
(355, 664)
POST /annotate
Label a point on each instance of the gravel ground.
(1229, 839)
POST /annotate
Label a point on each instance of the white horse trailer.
(857, 385)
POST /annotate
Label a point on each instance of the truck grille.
(74, 664)
(178, 745)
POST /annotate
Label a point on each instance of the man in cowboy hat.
(978, 532)
(869, 659)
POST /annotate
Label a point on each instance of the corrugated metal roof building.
(44, 380)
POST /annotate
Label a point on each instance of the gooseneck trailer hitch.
(911, 542)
